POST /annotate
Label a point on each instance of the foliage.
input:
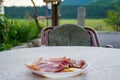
(3, 29)
(5, 47)
(14, 32)
(76, 2)
(23, 30)
(105, 2)
(113, 18)
(66, 11)
(90, 2)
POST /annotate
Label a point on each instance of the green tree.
(4, 34)
(113, 18)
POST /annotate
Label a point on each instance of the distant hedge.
(66, 12)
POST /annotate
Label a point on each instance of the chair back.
(69, 35)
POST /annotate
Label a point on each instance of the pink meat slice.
(53, 64)
(64, 61)
(51, 67)
(79, 64)
(58, 64)
(41, 60)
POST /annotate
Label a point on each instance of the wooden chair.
(69, 35)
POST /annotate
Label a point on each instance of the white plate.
(60, 74)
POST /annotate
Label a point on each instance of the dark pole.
(55, 14)
(47, 14)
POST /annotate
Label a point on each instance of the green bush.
(5, 47)
(23, 31)
(4, 39)
(15, 32)
(3, 29)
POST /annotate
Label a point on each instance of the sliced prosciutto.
(51, 67)
(79, 64)
(58, 64)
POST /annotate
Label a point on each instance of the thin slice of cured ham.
(64, 61)
(58, 64)
(79, 64)
(51, 67)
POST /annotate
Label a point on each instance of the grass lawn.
(97, 24)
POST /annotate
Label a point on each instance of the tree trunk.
(35, 16)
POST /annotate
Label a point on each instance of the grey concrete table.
(104, 63)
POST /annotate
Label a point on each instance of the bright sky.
(22, 2)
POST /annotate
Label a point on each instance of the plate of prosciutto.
(57, 67)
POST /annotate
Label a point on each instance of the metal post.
(55, 14)
(47, 14)
(55, 11)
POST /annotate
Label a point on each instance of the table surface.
(103, 62)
